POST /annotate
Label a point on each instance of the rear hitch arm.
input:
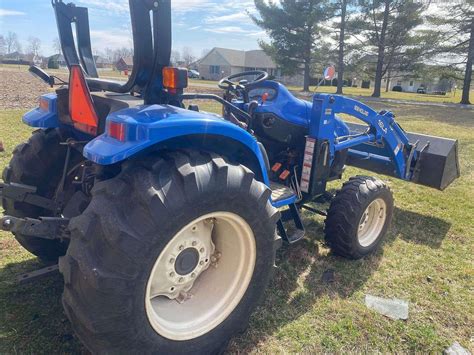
(27, 194)
(43, 227)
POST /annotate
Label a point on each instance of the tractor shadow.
(34, 321)
(418, 228)
(308, 272)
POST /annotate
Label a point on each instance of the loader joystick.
(228, 83)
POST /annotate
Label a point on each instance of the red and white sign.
(329, 73)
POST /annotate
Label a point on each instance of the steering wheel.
(227, 83)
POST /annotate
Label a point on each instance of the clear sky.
(198, 24)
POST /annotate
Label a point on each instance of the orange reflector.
(43, 104)
(116, 130)
(265, 97)
(175, 78)
(276, 167)
(284, 175)
(81, 107)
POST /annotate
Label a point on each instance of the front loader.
(165, 219)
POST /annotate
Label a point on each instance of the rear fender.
(43, 117)
(156, 127)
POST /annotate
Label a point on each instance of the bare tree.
(57, 46)
(12, 42)
(187, 56)
(205, 52)
(122, 53)
(3, 45)
(109, 54)
(34, 45)
(175, 57)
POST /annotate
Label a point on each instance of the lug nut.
(201, 250)
(172, 274)
(181, 279)
(171, 261)
(211, 220)
(193, 275)
(201, 263)
(194, 243)
(181, 247)
(7, 223)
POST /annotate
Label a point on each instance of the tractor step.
(291, 213)
(280, 192)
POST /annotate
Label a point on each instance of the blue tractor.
(165, 219)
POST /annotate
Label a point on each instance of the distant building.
(431, 85)
(102, 62)
(222, 62)
(124, 63)
(17, 58)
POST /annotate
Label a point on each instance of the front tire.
(123, 273)
(359, 217)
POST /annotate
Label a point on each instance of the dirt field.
(426, 260)
(19, 90)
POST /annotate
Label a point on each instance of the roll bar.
(151, 27)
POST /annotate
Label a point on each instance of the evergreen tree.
(344, 29)
(387, 28)
(455, 39)
(295, 28)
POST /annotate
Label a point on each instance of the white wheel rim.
(184, 307)
(372, 222)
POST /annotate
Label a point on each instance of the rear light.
(175, 78)
(116, 130)
(81, 107)
(43, 104)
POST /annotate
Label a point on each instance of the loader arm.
(380, 145)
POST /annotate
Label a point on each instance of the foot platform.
(293, 214)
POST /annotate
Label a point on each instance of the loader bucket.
(436, 166)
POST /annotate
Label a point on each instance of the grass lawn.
(450, 97)
(426, 260)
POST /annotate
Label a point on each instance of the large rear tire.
(359, 217)
(38, 162)
(189, 225)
